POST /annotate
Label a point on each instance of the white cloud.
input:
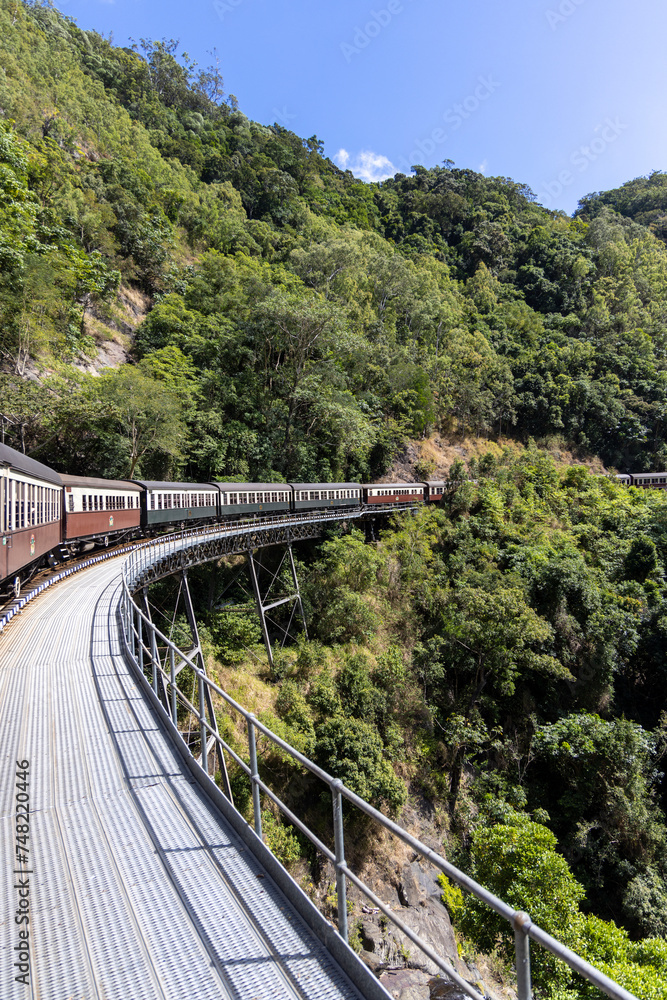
(366, 165)
(342, 158)
(483, 167)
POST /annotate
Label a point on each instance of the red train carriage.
(435, 490)
(380, 493)
(30, 499)
(98, 510)
(649, 480)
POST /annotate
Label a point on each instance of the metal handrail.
(136, 622)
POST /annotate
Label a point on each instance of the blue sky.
(566, 96)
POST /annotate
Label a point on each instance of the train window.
(233, 498)
(251, 498)
(71, 503)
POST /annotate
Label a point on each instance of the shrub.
(352, 750)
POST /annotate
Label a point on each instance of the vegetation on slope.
(503, 655)
(311, 320)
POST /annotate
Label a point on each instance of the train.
(47, 517)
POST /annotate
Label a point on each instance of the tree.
(520, 864)
(147, 416)
(352, 750)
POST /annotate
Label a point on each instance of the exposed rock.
(373, 961)
(427, 879)
(445, 989)
(409, 890)
(431, 922)
(406, 984)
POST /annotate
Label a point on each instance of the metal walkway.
(139, 890)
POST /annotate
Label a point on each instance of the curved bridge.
(140, 880)
(138, 887)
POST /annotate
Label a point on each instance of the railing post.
(133, 638)
(339, 840)
(254, 775)
(202, 724)
(172, 680)
(141, 641)
(154, 657)
(522, 923)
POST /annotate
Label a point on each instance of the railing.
(142, 642)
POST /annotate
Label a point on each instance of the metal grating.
(141, 890)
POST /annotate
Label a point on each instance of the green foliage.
(352, 750)
(520, 864)
(280, 839)
(597, 780)
(645, 904)
(509, 647)
(451, 897)
(233, 633)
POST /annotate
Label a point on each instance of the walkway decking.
(140, 889)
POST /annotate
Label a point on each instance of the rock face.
(405, 971)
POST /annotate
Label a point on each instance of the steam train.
(46, 517)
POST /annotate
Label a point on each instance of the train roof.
(100, 484)
(151, 484)
(21, 463)
(388, 486)
(327, 486)
(252, 487)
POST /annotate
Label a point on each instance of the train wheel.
(16, 587)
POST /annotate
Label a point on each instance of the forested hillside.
(301, 321)
(501, 658)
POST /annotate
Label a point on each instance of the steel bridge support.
(263, 606)
(208, 741)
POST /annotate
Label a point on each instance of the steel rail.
(521, 924)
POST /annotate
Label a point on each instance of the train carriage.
(435, 490)
(650, 480)
(97, 510)
(30, 501)
(168, 505)
(316, 496)
(237, 499)
(394, 493)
